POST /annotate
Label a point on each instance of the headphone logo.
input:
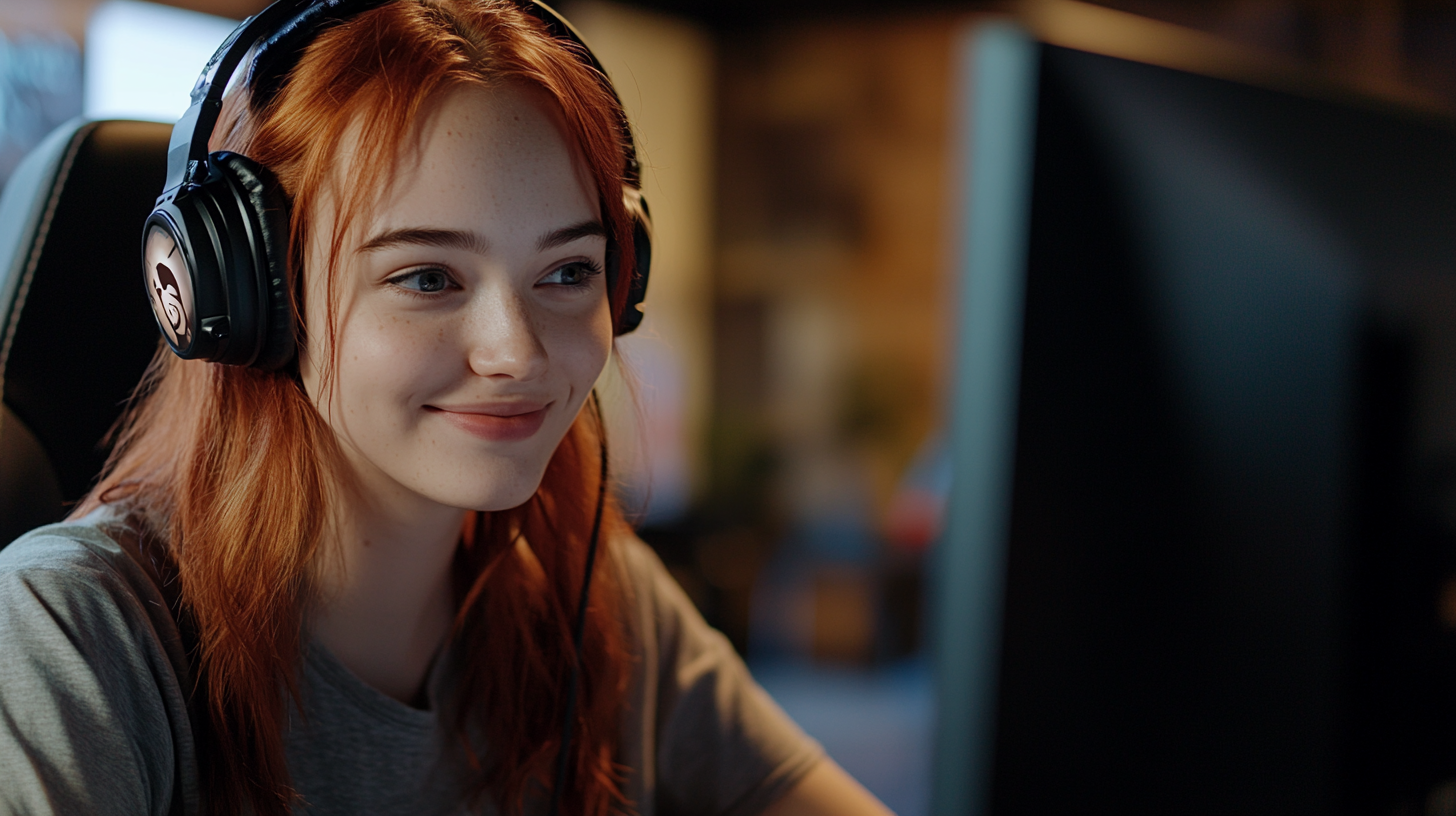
(171, 290)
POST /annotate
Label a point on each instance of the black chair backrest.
(77, 331)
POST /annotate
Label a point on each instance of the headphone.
(215, 247)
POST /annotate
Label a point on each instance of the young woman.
(346, 580)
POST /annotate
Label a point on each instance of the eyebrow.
(586, 229)
(475, 242)
(425, 236)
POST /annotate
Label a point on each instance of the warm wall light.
(142, 59)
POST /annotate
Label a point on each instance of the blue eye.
(576, 273)
(423, 280)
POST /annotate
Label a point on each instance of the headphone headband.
(188, 148)
(293, 24)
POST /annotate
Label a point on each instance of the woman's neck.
(387, 597)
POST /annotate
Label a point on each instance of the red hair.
(232, 468)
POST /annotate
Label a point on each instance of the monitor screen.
(1203, 528)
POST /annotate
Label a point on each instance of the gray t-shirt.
(93, 718)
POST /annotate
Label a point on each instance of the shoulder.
(77, 574)
(665, 624)
(83, 544)
(92, 716)
(635, 557)
(641, 573)
(70, 589)
(714, 742)
(675, 647)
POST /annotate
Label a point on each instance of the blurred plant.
(882, 414)
(743, 461)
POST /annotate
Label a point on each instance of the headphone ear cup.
(633, 311)
(266, 324)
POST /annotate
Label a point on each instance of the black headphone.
(215, 248)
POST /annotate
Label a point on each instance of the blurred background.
(776, 421)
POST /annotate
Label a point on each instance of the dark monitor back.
(1229, 536)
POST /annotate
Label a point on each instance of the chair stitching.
(23, 290)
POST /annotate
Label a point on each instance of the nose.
(505, 338)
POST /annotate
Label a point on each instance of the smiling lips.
(497, 423)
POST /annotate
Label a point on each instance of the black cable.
(563, 755)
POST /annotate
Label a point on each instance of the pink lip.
(498, 422)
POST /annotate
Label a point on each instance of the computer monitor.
(1204, 436)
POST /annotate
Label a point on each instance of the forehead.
(491, 159)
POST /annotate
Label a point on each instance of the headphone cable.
(563, 755)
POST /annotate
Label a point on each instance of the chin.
(514, 500)
(490, 495)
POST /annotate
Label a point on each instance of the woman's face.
(472, 308)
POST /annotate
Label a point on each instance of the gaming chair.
(76, 332)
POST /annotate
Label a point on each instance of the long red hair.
(232, 468)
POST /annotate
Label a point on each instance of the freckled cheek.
(394, 354)
(393, 336)
(582, 348)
